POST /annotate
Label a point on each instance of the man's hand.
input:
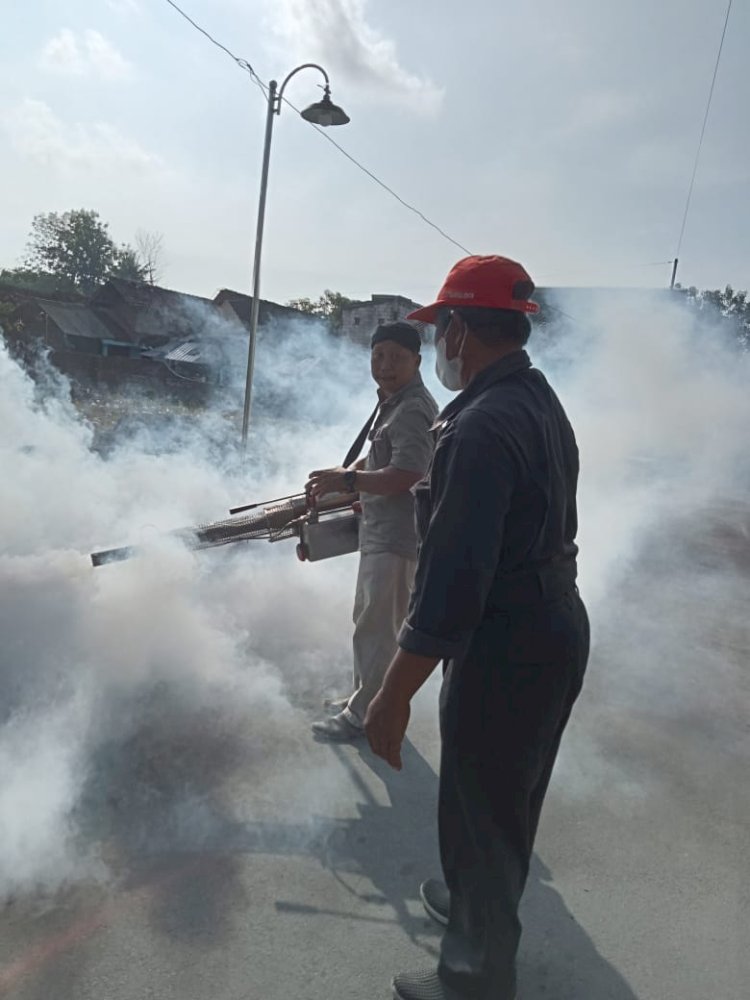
(385, 726)
(389, 711)
(324, 481)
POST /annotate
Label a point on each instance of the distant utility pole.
(675, 262)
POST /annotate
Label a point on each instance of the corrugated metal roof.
(143, 294)
(75, 320)
(242, 305)
(184, 352)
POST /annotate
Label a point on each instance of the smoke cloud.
(338, 33)
(139, 699)
(660, 405)
(128, 693)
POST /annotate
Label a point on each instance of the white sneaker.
(338, 729)
(335, 705)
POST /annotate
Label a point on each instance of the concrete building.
(359, 319)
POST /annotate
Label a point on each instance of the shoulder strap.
(353, 454)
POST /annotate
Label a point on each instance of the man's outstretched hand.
(385, 726)
(324, 481)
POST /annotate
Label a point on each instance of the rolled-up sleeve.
(411, 441)
(471, 481)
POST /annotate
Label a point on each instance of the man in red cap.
(495, 600)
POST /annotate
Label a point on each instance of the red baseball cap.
(490, 282)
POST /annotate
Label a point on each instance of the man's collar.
(415, 383)
(509, 364)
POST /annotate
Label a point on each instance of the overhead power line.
(263, 87)
(245, 65)
(382, 184)
(242, 63)
(703, 131)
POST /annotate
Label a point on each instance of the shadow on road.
(557, 957)
(180, 842)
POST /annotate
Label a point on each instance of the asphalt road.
(233, 879)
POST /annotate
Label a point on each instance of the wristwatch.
(350, 480)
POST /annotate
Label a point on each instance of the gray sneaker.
(337, 729)
(436, 900)
(423, 985)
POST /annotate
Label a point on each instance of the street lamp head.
(325, 112)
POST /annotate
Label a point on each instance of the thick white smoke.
(659, 404)
(136, 695)
(659, 400)
(119, 685)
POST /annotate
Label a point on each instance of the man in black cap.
(400, 453)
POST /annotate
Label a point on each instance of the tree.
(39, 282)
(128, 264)
(75, 247)
(729, 306)
(150, 249)
(304, 305)
(329, 306)
(74, 252)
(7, 312)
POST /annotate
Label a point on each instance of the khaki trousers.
(381, 601)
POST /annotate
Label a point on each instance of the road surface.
(239, 872)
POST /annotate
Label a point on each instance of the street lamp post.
(321, 113)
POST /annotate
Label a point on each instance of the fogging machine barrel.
(288, 517)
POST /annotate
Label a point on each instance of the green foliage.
(729, 307)
(127, 264)
(73, 251)
(40, 282)
(75, 247)
(304, 305)
(329, 306)
(7, 310)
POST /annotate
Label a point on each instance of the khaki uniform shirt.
(400, 437)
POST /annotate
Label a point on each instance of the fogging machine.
(329, 527)
(326, 527)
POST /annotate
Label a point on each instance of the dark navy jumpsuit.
(495, 597)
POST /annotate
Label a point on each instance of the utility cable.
(245, 65)
(703, 131)
(263, 87)
(242, 63)
(382, 184)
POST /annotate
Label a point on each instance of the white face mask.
(449, 372)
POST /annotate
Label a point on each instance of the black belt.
(548, 583)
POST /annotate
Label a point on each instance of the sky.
(558, 132)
